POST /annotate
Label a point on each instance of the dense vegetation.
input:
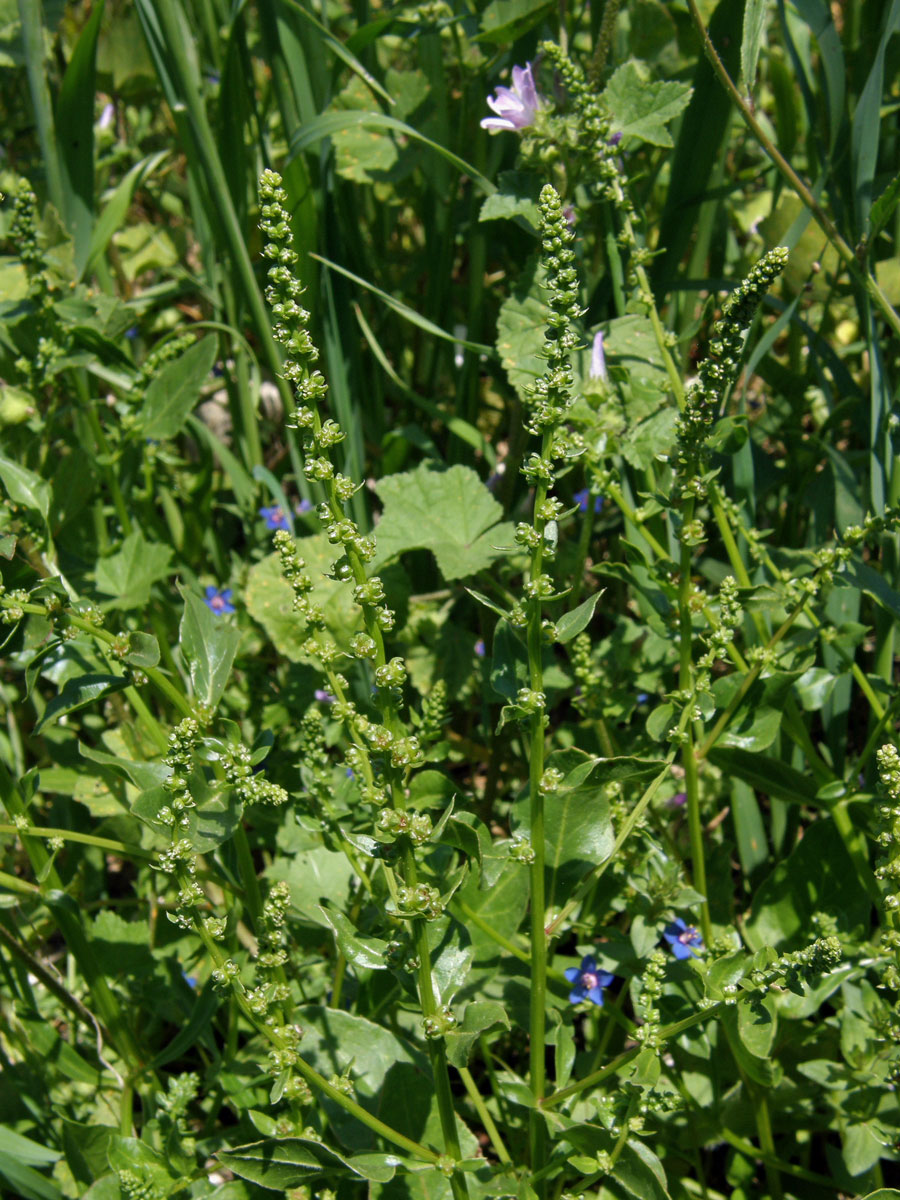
(450, 549)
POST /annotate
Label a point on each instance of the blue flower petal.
(595, 995)
(572, 973)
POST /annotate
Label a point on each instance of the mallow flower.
(516, 107)
(598, 359)
(683, 938)
(587, 982)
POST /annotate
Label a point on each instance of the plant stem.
(486, 1119)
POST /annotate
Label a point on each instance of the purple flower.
(303, 506)
(581, 499)
(350, 773)
(588, 981)
(677, 801)
(598, 359)
(323, 697)
(516, 107)
(219, 601)
(275, 517)
(615, 139)
(683, 939)
(479, 647)
(570, 215)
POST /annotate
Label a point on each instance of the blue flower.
(219, 601)
(303, 506)
(683, 939)
(479, 647)
(642, 697)
(581, 499)
(588, 981)
(275, 517)
(323, 697)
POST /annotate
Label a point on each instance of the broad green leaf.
(209, 643)
(315, 877)
(517, 197)
(764, 1071)
(641, 108)
(499, 908)
(367, 953)
(520, 329)
(86, 1147)
(279, 1163)
(8, 545)
(757, 719)
(757, 1024)
(479, 1017)
(143, 651)
(451, 513)
(753, 846)
(862, 1147)
(505, 21)
(578, 835)
(142, 774)
(24, 487)
(817, 876)
(578, 767)
(270, 599)
(175, 391)
(391, 1077)
(766, 775)
(451, 955)
(77, 692)
(213, 820)
(572, 623)
(129, 574)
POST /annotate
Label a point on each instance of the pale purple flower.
(516, 107)
(683, 938)
(677, 801)
(479, 647)
(588, 982)
(324, 697)
(598, 359)
(106, 117)
(303, 506)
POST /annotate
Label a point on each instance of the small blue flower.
(588, 981)
(642, 697)
(323, 697)
(190, 980)
(350, 773)
(275, 517)
(219, 601)
(677, 801)
(683, 939)
(479, 647)
(303, 506)
(581, 499)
